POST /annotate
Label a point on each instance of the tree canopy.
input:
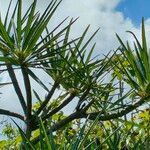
(103, 88)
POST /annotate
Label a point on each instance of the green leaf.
(26, 142)
(37, 96)
(120, 100)
(30, 19)
(37, 79)
(76, 145)
(42, 25)
(88, 132)
(6, 18)
(144, 43)
(90, 54)
(4, 34)
(19, 24)
(12, 18)
(48, 144)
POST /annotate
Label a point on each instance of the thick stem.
(16, 87)
(127, 110)
(64, 103)
(28, 90)
(67, 101)
(93, 116)
(50, 94)
(60, 124)
(29, 100)
(82, 98)
(12, 114)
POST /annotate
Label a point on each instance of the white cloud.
(97, 13)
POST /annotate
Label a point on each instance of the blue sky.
(135, 9)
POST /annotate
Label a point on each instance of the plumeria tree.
(95, 84)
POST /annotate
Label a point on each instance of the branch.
(28, 91)
(66, 120)
(82, 98)
(60, 124)
(88, 105)
(65, 102)
(129, 109)
(92, 116)
(13, 114)
(68, 100)
(50, 94)
(16, 87)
